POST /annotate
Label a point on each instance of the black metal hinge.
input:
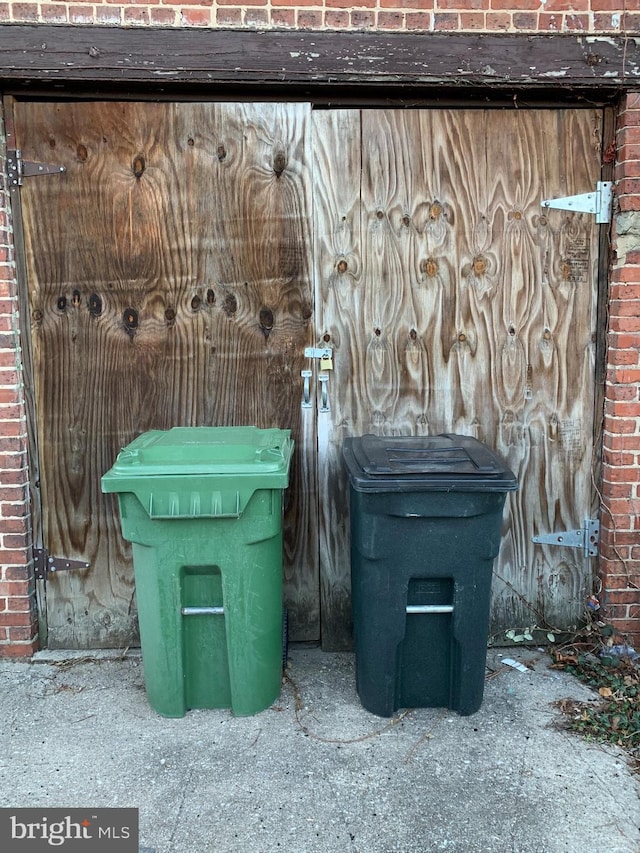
(44, 565)
(19, 168)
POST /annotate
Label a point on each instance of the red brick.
(525, 20)
(446, 21)
(627, 356)
(335, 19)
(603, 22)
(628, 203)
(625, 291)
(12, 510)
(550, 23)
(623, 596)
(390, 20)
(624, 375)
(19, 650)
(16, 619)
(515, 5)
(17, 572)
(622, 582)
(308, 20)
(630, 185)
(54, 14)
(625, 134)
(228, 17)
(80, 15)
(581, 23)
(195, 17)
(363, 20)
(163, 16)
(21, 635)
(18, 605)
(10, 541)
(567, 5)
(619, 490)
(624, 324)
(464, 5)
(616, 611)
(631, 101)
(343, 4)
(14, 557)
(470, 21)
(15, 589)
(630, 23)
(13, 461)
(287, 18)
(622, 409)
(622, 392)
(256, 17)
(109, 15)
(606, 5)
(615, 441)
(135, 15)
(418, 21)
(25, 11)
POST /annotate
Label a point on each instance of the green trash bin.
(202, 507)
(426, 517)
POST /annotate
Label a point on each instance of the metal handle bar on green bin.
(429, 608)
(202, 611)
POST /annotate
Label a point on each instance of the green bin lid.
(189, 472)
(445, 462)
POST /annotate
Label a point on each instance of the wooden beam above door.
(170, 57)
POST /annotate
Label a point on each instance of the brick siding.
(620, 541)
(619, 562)
(587, 16)
(18, 622)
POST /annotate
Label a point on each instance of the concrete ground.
(316, 773)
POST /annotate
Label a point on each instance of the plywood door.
(455, 303)
(169, 279)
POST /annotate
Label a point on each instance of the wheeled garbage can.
(426, 515)
(202, 508)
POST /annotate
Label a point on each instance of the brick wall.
(18, 624)
(619, 562)
(442, 15)
(620, 546)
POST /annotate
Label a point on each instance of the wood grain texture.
(339, 300)
(170, 284)
(475, 312)
(166, 58)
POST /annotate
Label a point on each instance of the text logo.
(69, 830)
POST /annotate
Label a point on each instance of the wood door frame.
(327, 69)
(297, 60)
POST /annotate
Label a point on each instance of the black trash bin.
(426, 514)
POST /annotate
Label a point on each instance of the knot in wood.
(139, 165)
(130, 320)
(479, 265)
(429, 267)
(95, 305)
(279, 162)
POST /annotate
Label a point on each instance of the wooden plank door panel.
(169, 279)
(470, 309)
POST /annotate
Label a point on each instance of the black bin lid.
(425, 463)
